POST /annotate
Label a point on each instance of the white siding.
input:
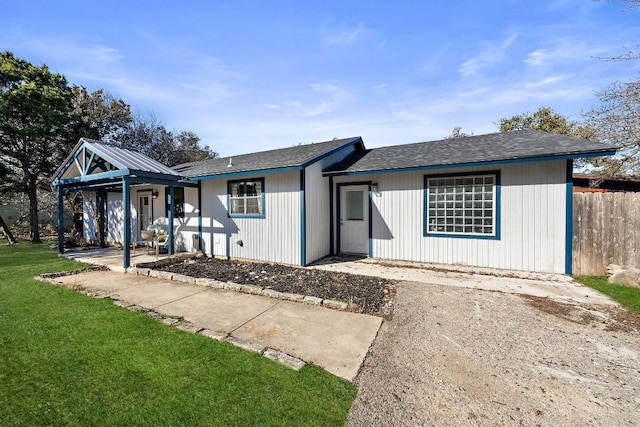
(89, 211)
(532, 220)
(318, 210)
(275, 238)
(186, 229)
(115, 217)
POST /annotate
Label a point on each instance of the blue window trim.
(425, 206)
(235, 181)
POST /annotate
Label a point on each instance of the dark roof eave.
(565, 156)
(245, 172)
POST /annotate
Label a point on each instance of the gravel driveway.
(455, 356)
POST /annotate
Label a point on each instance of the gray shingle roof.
(273, 159)
(514, 145)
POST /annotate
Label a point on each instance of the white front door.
(354, 219)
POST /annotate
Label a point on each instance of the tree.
(104, 117)
(545, 119)
(617, 121)
(457, 133)
(188, 149)
(38, 128)
(630, 53)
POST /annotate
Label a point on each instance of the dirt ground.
(365, 294)
(456, 357)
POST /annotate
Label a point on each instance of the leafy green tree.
(545, 119)
(105, 117)
(38, 128)
(188, 149)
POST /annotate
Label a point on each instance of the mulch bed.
(365, 294)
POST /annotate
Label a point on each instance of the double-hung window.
(462, 205)
(246, 198)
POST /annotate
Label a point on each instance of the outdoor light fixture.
(154, 194)
(374, 187)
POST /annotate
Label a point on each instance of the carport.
(97, 167)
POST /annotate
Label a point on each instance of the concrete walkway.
(557, 287)
(337, 341)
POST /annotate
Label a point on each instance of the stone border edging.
(177, 322)
(247, 289)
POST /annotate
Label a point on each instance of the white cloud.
(491, 53)
(345, 36)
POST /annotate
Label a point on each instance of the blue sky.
(253, 75)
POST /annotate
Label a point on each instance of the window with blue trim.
(461, 205)
(246, 197)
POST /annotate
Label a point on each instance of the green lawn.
(67, 359)
(628, 297)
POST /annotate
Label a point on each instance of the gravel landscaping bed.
(364, 294)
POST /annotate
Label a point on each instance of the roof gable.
(91, 158)
(292, 158)
(522, 145)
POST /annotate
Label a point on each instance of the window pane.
(355, 205)
(245, 197)
(461, 204)
(237, 206)
(253, 205)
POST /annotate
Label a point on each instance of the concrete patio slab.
(333, 340)
(338, 341)
(217, 309)
(153, 293)
(99, 282)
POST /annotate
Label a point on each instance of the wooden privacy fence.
(606, 230)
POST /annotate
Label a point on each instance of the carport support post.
(170, 220)
(126, 206)
(101, 201)
(60, 220)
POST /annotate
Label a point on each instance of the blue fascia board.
(245, 173)
(472, 164)
(332, 151)
(90, 178)
(65, 167)
(145, 174)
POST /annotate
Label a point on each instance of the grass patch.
(627, 296)
(67, 359)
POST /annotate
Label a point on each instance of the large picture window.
(464, 205)
(246, 197)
